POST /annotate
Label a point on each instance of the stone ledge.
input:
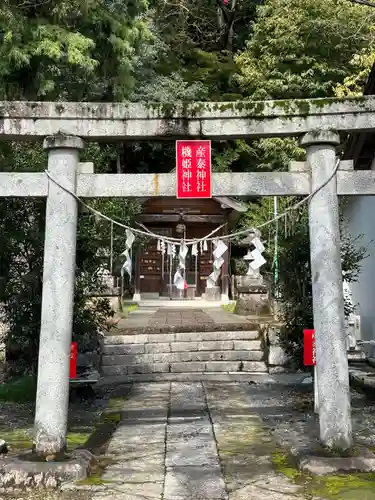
(204, 327)
(363, 377)
(261, 378)
(18, 473)
(321, 465)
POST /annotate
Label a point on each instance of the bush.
(294, 290)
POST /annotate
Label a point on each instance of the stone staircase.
(235, 353)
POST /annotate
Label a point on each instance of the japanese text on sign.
(309, 350)
(193, 167)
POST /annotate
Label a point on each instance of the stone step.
(189, 366)
(157, 338)
(251, 377)
(181, 357)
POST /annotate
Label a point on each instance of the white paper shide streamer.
(219, 251)
(127, 266)
(255, 257)
(179, 280)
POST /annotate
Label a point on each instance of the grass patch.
(17, 439)
(95, 480)
(77, 439)
(19, 390)
(229, 308)
(127, 308)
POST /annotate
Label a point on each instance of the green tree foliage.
(70, 49)
(302, 48)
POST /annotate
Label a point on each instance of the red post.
(309, 354)
(73, 360)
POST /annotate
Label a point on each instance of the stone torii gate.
(65, 126)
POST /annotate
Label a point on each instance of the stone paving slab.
(194, 483)
(167, 319)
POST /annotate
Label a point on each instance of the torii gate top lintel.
(216, 120)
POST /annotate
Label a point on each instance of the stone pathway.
(179, 317)
(192, 441)
(146, 317)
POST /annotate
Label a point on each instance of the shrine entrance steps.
(185, 345)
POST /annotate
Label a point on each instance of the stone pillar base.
(253, 300)
(213, 294)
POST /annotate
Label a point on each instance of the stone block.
(218, 345)
(277, 356)
(254, 366)
(273, 335)
(275, 370)
(249, 303)
(242, 335)
(223, 366)
(127, 359)
(111, 371)
(197, 336)
(124, 349)
(181, 357)
(184, 346)
(193, 483)
(28, 474)
(226, 356)
(213, 294)
(148, 368)
(247, 345)
(140, 338)
(156, 348)
(87, 359)
(161, 338)
(188, 367)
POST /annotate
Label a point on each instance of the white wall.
(360, 219)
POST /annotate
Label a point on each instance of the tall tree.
(302, 48)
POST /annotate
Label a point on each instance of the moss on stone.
(252, 108)
(331, 487)
(111, 417)
(76, 439)
(95, 480)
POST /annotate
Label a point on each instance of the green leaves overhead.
(70, 49)
(302, 48)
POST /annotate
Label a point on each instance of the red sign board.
(193, 169)
(73, 360)
(309, 353)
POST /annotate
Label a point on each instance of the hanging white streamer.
(218, 252)
(178, 279)
(127, 265)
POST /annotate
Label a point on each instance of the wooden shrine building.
(180, 218)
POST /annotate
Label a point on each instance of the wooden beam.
(216, 219)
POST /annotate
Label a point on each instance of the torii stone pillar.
(328, 302)
(52, 398)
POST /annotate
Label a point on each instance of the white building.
(360, 215)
